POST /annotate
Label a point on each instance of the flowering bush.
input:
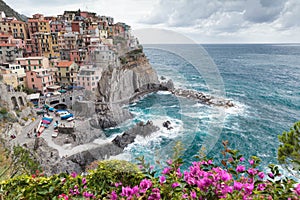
(235, 178)
(204, 180)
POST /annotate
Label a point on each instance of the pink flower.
(251, 162)
(237, 185)
(297, 189)
(261, 187)
(118, 184)
(225, 176)
(174, 185)
(252, 171)
(145, 184)
(169, 162)
(113, 196)
(184, 196)
(261, 175)
(210, 162)
(83, 181)
(64, 196)
(74, 174)
(88, 195)
(166, 170)
(271, 175)
(162, 179)
(240, 168)
(248, 188)
(242, 159)
(193, 195)
(178, 173)
(135, 189)
(126, 191)
(155, 195)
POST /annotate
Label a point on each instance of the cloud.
(185, 13)
(206, 21)
(290, 15)
(260, 11)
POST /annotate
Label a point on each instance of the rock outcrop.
(202, 98)
(119, 85)
(129, 136)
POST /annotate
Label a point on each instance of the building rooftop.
(7, 45)
(64, 63)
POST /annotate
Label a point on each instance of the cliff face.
(118, 85)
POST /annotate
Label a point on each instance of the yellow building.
(54, 46)
(66, 72)
(14, 27)
(38, 24)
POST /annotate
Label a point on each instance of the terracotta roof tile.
(64, 63)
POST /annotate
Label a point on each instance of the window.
(32, 79)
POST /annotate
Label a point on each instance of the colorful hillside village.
(48, 54)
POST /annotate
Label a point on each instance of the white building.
(88, 77)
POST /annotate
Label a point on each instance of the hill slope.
(10, 12)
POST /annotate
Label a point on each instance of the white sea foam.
(157, 136)
(163, 92)
(122, 156)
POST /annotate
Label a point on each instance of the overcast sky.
(204, 21)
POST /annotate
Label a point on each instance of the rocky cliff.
(119, 84)
(10, 12)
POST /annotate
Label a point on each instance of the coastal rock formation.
(101, 152)
(119, 84)
(49, 159)
(129, 136)
(202, 98)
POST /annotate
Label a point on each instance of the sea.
(262, 81)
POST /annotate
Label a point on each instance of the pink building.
(78, 56)
(39, 80)
(33, 63)
(57, 26)
(88, 76)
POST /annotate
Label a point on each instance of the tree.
(289, 150)
(22, 162)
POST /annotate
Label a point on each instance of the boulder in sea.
(129, 136)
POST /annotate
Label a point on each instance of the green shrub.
(3, 111)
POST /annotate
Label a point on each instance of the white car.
(55, 134)
(70, 119)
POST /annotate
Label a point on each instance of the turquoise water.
(263, 82)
